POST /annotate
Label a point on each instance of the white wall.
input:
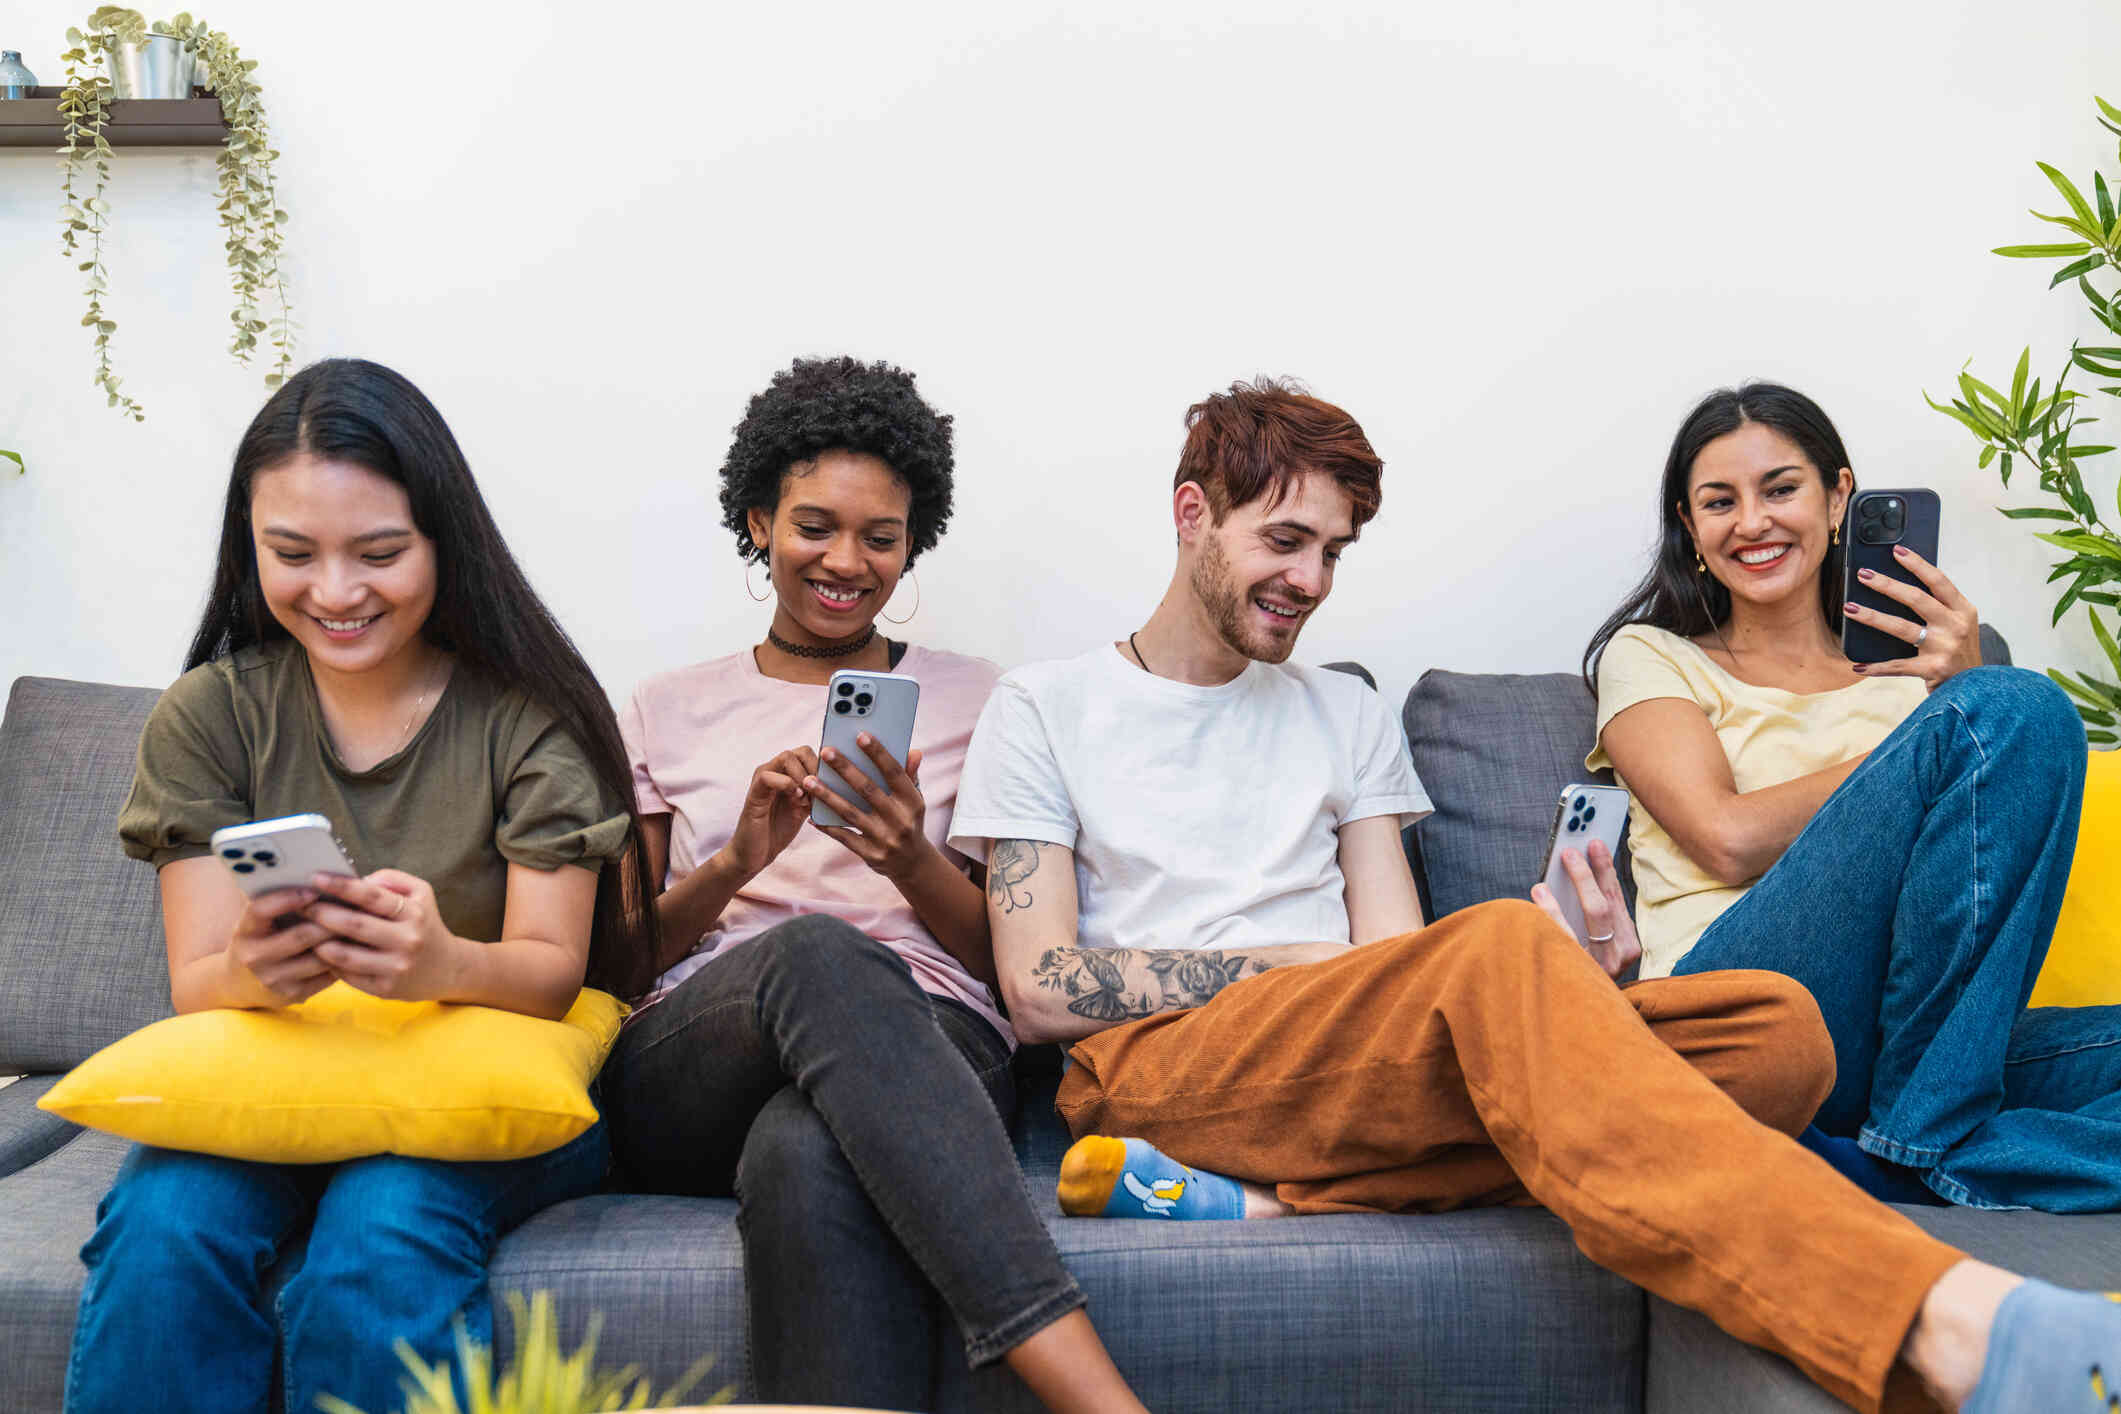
(1517, 240)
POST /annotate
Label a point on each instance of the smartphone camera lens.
(846, 689)
(266, 857)
(244, 867)
(231, 854)
(1880, 520)
(840, 707)
(863, 699)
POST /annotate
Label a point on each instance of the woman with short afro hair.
(824, 1041)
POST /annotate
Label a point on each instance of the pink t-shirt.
(696, 734)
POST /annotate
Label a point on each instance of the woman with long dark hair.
(1894, 835)
(824, 1042)
(370, 652)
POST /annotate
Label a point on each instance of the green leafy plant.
(539, 1380)
(16, 458)
(2025, 427)
(250, 213)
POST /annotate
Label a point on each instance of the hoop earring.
(916, 601)
(758, 598)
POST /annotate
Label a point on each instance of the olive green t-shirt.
(489, 779)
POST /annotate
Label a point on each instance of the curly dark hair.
(825, 404)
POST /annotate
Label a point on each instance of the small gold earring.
(1700, 564)
(1833, 536)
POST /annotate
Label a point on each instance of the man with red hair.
(1195, 876)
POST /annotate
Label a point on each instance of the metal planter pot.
(159, 68)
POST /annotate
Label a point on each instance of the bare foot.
(1261, 1203)
(1949, 1340)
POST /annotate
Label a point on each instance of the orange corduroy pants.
(1488, 1060)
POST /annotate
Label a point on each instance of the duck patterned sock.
(1129, 1178)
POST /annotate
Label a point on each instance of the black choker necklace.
(834, 650)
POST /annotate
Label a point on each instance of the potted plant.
(2025, 427)
(249, 210)
(539, 1380)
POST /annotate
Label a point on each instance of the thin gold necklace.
(412, 721)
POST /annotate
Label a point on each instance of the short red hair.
(1258, 437)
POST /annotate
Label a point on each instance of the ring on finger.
(1922, 633)
(399, 909)
(1599, 938)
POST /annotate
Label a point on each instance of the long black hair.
(485, 611)
(1676, 596)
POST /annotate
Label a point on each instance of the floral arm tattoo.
(1112, 984)
(1121, 984)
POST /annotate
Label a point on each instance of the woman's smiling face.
(836, 543)
(341, 564)
(1762, 515)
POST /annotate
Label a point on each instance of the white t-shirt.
(1200, 817)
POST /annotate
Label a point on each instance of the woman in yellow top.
(1896, 835)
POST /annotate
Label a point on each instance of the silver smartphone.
(880, 704)
(280, 854)
(1584, 813)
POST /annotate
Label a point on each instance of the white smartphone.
(880, 704)
(1584, 813)
(280, 854)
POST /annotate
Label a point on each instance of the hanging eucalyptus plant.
(250, 213)
(2025, 428)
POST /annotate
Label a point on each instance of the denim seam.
(2031, 1056)
(1868, 1138)
(1957, 1192)
(1893, 1151)
(648, 1048)
(982, 1351)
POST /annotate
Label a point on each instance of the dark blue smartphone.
(1879, 521)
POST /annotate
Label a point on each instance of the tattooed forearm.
(1120, 984)
(1010, 865)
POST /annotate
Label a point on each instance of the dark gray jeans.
(858, 1121)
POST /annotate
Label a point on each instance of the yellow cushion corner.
(2083, 965)
(345, 1075)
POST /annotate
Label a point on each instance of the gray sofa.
(1466, 1312)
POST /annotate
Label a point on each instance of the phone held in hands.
(1584, 813)
(881, 704)
(280, 854)
(1877, 522)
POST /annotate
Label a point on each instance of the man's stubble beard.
(1225, 604)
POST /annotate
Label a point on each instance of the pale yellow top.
(1769, 735)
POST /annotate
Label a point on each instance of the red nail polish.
(1901, 550)
(1852, 607)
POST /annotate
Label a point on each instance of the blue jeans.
(1917, 907)
(174, 1314)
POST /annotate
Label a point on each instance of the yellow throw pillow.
(2083, 965)
(344, 1075)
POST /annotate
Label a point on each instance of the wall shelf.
(136, 122)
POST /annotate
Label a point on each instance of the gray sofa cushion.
(1494, 751)
(80, 925)
(667, 1274)
(47, 1211)
(27, 1133)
